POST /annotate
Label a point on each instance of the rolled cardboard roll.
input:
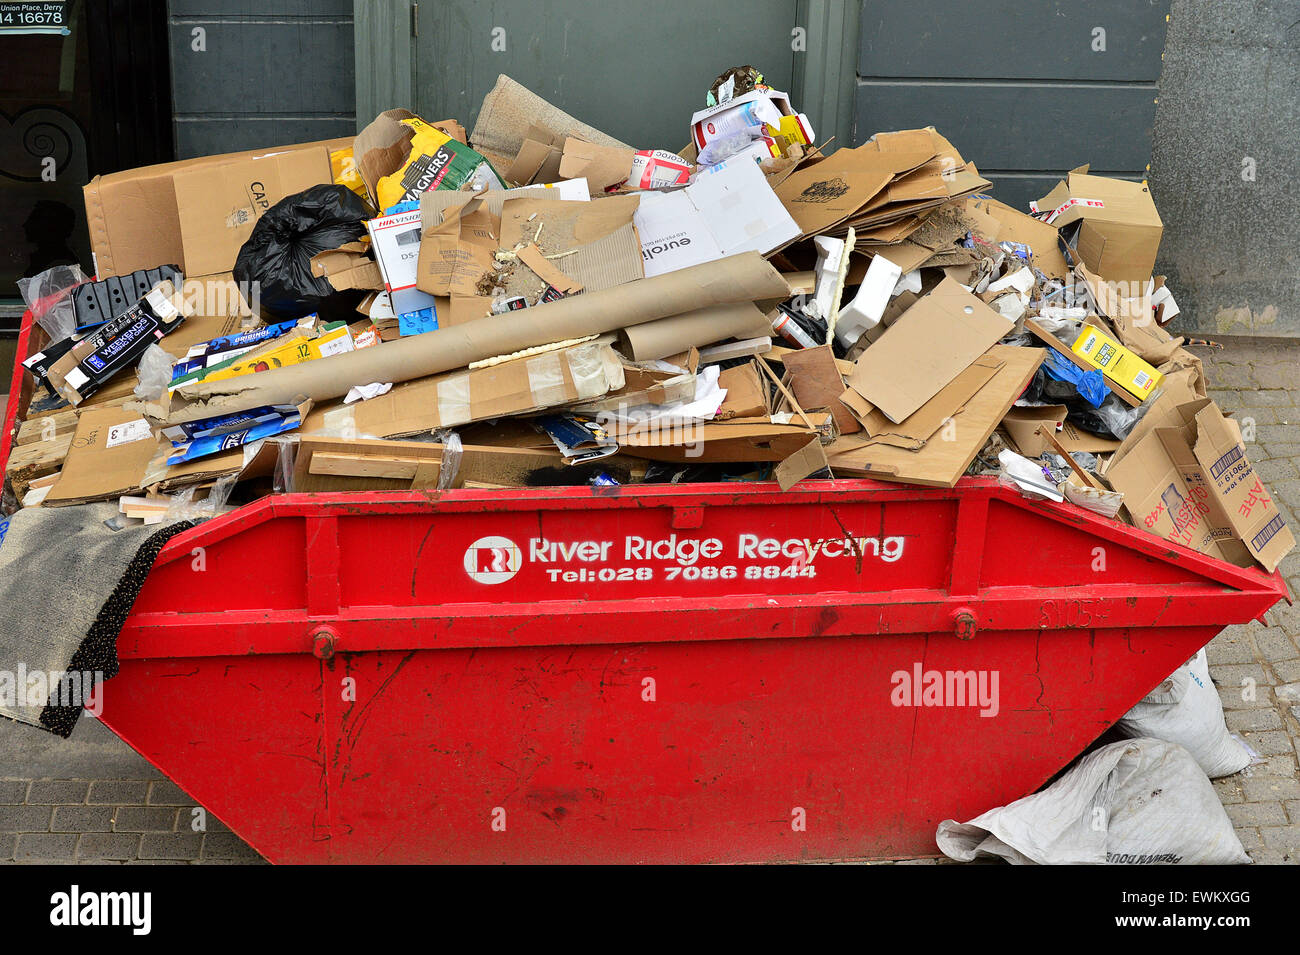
(704, 326)
(746, 277)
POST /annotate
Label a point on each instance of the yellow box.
(333, 341)
(1118, 363)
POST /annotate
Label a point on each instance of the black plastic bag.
(278, 253)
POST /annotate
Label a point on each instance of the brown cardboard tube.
(704, 326)
(746, 277)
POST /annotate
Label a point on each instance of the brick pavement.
(1260, 385)
(137, 817)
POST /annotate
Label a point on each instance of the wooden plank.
(359, 465)
(1049, 434)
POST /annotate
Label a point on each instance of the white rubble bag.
(1135, 802)
(1186, 709)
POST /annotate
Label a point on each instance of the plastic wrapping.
(1089, 385)
(285, 460)
(1114, 417)
(48, 295)
(278, 253)
(452, 452)
(184, 506)
(155, 370)
(453, 400)
(546, 379)
(1025, 476)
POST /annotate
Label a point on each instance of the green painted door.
(634, 70)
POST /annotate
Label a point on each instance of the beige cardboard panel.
(933, 342)
(809, 459)
(739, 439)
(512, 387)
(94, 471)
(1175, 391)
(739, 278)
(602, 166)
(920, 426)
(942, 463)
(457, 253)
(1158, 498)
(219, 205)
(1248, 503)
(1119, 228)
(133, 218)
(608, 252)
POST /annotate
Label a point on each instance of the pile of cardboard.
(538, 303)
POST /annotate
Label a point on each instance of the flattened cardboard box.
(512, 387)
(134, 218)
(942, 461)
(110, 451)
(930, 345)
(219, 205)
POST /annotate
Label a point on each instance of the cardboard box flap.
(110, 451)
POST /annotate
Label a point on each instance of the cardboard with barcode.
(1247, 502)
(1192, 483)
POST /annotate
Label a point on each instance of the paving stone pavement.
(92, 800)
(1259, 384)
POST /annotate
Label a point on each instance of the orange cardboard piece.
(816, 382)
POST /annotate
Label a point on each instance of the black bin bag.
(278, 254)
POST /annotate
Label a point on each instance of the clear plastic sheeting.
(53, 311)
(186, 505)
(452, 452)
(155, 371)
